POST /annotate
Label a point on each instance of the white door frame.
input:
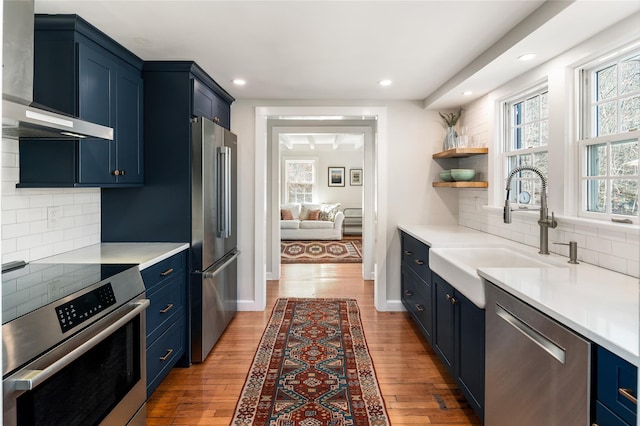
(379, 216)
(368, 260)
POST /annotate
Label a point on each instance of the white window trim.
(284, 195)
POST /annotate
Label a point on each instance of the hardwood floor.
(416, 388)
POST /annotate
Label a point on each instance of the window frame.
(506, 135)
(314, 183)
(587, 134)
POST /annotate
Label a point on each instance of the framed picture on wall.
(336, 176)
(356, 177)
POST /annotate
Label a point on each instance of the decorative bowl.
(462, 174)
(445, 175)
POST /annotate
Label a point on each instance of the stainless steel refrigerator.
(214, 234)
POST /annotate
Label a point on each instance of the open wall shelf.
(460, 152)
(460, 184)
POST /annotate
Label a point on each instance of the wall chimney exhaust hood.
(20, 116)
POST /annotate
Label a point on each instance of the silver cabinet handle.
(419, 262)
(34, 378)
(628, 393)
(166, 356)
(408, 253)
(408, 293)
(167, 308)
(420, 308)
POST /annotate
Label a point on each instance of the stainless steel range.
(73, 342)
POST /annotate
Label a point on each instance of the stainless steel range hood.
(20, 117)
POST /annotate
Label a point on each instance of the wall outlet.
(54, 215)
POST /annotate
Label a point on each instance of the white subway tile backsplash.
(612, 262)
(624, 250)
(633, 268)
(25, 231)
(598, 244)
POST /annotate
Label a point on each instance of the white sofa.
(300, 227)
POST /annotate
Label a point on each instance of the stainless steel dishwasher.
(537, 370)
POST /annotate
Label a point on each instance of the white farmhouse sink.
(459, 265)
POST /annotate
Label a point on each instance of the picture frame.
(355, 177)
(336, 176)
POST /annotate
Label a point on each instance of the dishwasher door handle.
(534, 335)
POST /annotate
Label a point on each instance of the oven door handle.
(33, 378)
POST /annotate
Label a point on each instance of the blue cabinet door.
(470, 344)
(444, 324)
(129, 138)
(97, 103)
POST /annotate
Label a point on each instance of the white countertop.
(144, 254)
(599, 304)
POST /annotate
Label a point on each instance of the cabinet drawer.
(605, 417)
(166, 303)
(416, 255)
(416, 297)
(163, 354)
(164, 270)
(615, 374)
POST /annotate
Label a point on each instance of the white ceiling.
(339, 50)
(322, 141)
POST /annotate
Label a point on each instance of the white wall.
(605, 244)
(347, 195)
(413, 136)
(25, 235)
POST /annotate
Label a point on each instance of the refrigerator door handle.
(224, 192)
(211, 274)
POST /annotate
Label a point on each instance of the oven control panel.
(84, 307)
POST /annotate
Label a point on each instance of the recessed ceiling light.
(526, 57)
(467, 93)
(384, 82)
(239, 82)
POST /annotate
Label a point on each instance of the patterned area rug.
(312, 368)
(344, 251)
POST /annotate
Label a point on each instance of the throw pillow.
(329, 212)
(313, 214)
(286, 214)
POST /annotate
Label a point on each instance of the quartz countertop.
(144, 254)
(599, 304)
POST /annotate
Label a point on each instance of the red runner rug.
(312, 368)
(344, 251)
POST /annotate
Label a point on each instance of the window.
(526, 137)
(300, 180)
(609, 146)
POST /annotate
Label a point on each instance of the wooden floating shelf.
(461, 184)
(461, 152)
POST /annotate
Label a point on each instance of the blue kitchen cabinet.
(616, 390)
(450, 322)
(80, 71)
(206, 103)
(166, 288)
(459, 340)
(416, 284)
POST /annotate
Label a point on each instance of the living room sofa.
(307, 221)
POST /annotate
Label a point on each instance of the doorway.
(265, 210)
(356, 153)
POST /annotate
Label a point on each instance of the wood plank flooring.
(416, 388)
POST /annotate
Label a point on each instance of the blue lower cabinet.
(163, 354)
(166, 284)
(416, 298)
(616, 390)
(470, 351)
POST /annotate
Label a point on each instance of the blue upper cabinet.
(78, 70)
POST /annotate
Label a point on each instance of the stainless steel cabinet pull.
(408, 253)
(420, 308)
(166, 356)
(167, 272)
(628, 393)
(419, 262)
(448, 296)
(453, 300)
(408, 293)
(167, 309)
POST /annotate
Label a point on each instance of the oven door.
(98, 376)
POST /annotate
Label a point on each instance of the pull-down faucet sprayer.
(545, 222)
